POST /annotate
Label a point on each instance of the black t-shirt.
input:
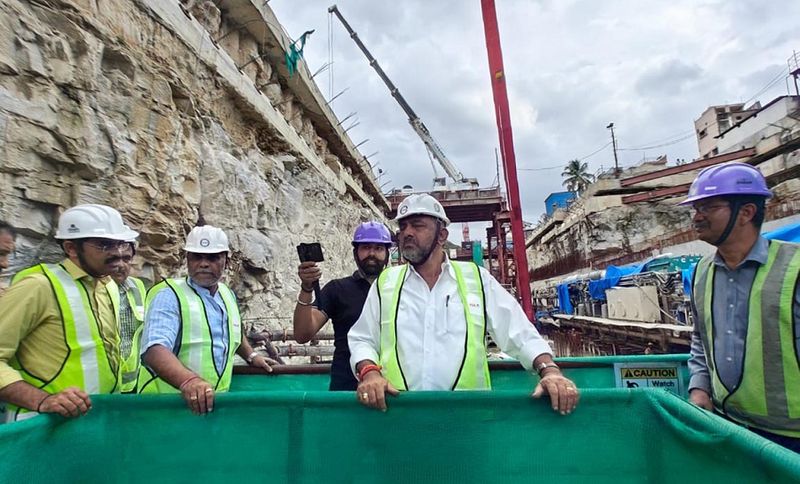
(342, 300)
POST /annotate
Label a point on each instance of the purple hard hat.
(728, 179)
(372, 233)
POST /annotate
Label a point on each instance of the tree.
(576, 176)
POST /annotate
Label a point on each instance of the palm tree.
(576, 176)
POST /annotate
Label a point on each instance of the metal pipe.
(325, 368)
(286, 335)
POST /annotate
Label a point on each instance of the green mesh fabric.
(615, 436)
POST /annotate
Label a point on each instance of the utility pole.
(794, 69)
(614, 145)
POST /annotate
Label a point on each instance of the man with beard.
(59, 336)
(744, 360)
(193, 329)
(341, 300)
(131, 317)
(424, 323)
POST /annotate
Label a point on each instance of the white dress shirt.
(431, 329)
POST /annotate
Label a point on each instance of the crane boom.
(416, 123)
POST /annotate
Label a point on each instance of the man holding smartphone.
(341, 300)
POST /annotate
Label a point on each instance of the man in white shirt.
(423, 324)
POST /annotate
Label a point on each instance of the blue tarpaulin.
(597, 289)
(565, 305)
(788, 233)
(686, 275)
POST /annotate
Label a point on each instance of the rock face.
(102, 102)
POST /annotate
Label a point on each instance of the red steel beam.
(661, 192)
(503, 118)
(694, 165)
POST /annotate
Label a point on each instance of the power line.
(545, 168)
(598, 150)
(771, 83)
(666, 139)
(644, 148)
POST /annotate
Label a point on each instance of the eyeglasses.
(106, 245)
(707, 209)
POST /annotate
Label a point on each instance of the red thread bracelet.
(366, 369)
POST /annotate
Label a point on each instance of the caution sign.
(650, 375)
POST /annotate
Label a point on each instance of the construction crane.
(434, 150)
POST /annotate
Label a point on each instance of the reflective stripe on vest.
(130, 365)
(196, 349)
(766, 396)
(86, 365)
(474, 371)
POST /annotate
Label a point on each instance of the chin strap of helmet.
(736, 205)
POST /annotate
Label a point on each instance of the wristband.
(366, 369)
(543, 366)
(303, 303)
(191, 378)
(250, 357)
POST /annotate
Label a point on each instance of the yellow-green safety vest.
(130, 363)
(473, 373)
(767, 395)
(86, 365)
(195, 350)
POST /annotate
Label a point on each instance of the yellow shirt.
(31, 330)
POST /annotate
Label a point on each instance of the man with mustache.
(341, 300)
(131, 317)
(424, 323)
(59, 336)
(193, 329)
(744, 360)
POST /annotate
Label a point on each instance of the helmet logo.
(403, 209)
(204, 242)
(73, 229)
(436, 207)
(744, 181)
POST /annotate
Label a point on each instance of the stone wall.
(109, 101)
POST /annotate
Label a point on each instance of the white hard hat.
(93, 220)
(421, 204)
(206, 239)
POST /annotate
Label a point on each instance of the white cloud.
(572, 67)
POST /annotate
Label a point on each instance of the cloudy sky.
(572, 67)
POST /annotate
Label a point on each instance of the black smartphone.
(310, 252)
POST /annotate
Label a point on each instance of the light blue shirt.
(163, 322)
(730, 311)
